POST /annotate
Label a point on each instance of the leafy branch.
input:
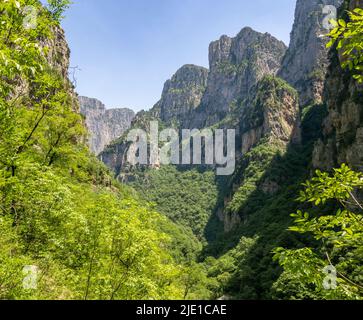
(348, 37)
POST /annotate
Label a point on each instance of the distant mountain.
(104, 125)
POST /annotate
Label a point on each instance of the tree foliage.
(58, 7)
(61, 213)
(348, 35)
(187, 197)
(334, 268)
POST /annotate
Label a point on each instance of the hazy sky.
(127, 49)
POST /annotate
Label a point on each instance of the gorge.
(99, 227)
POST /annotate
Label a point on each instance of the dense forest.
(289, 229)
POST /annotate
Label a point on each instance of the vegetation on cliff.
(333, 268)
(348, 37)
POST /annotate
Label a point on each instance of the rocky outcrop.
(236, 65)
(104, 125)
(342, 140)
(58, 54)
(182, 94)
(197, 98)
(306, 61)
(114, 157)
(272, 110)
(269, 116)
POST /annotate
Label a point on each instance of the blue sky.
(127, 49)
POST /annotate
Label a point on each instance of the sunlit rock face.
(236, 65)
(182, 94)
(306, 61)
(104, 125)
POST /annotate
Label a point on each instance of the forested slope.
(63, 218)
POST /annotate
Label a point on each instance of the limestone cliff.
(269, 119)
(306, 61)
(182, 94)
(104, 125)
(57, 54)
(272, 110)
(236, 65)
(342, 140)
(58, 51)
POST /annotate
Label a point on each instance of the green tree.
(60, 209)
(58, 7)
(338, 255)
(349, 39)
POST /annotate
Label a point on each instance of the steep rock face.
(58, 51)
(236, 65)
(114, 157)
(196, 98)
(58, 57)
(270, 117)
(104, 125)
(342, 140)
(306, 61)
(115, 154)
(182, 94)
(272, 110)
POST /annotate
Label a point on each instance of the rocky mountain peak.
(182, 93)
(219, 51)
(186, 77)
(91, 104)
(306, 61)
(236, 50)
(236, 65)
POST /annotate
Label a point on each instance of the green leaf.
(342, 23)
